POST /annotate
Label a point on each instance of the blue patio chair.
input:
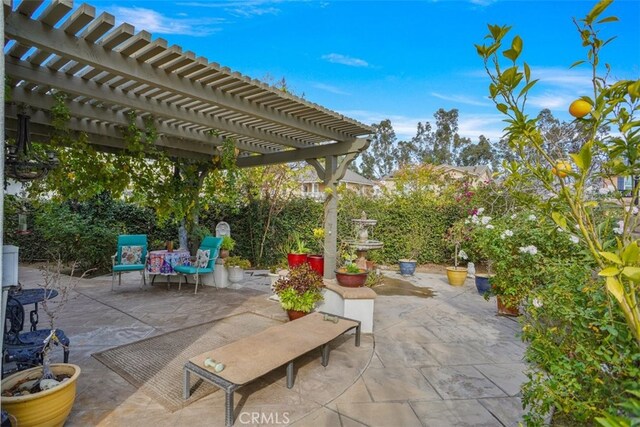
(130, 256)
(209, 243)
(25, 349)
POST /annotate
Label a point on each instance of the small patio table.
(163, 262)
(33, 296)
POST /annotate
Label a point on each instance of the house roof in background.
(478, 170)
(350, 177)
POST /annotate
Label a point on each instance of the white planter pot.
(236, 274)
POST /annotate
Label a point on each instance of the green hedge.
(87, 231)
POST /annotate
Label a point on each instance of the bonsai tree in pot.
(456, 236)
(44, 395)
(236, 266)
(299, 291)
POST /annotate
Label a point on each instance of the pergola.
(108, 71)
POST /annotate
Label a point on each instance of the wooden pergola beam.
(33, 33)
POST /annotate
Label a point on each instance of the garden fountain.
(362, 244)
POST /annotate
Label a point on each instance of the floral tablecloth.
(163, 262)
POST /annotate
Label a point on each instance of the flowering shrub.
(300, 289)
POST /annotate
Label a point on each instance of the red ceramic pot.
(505, 310)
(351, 280)
(294, 314)
(316, 262)
(295, 260)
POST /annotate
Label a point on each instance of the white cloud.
(573, 79)
(337, 58)
(154, 22)
(244, 9)
(462, 99)
(551, 100)
(482, 2)
(330, 88)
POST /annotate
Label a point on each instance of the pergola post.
(332, 172)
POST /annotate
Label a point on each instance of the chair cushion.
(37, 337)
(190, 269)
(202, 258)
(131, 255)
(130, 267)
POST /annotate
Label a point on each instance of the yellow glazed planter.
(48, 408)
(456, 275)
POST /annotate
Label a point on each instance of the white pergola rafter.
(109, 71)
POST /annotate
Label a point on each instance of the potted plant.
(456, 274)
(351, 276)
(408, 265)
(483, 239)
(236, 266)
(299, 291)
(226, 246)
(297, 251)
(44, 395)
(316, 261)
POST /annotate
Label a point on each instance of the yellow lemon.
(579, 108)
(561, 168)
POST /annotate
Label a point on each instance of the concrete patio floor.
(447, 360)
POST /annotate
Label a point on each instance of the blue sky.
(372, 60)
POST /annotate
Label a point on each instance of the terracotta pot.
(351, 280)
(295, 260)
(456, 275)
(506, 310)
(316, 262)
(48, 408)
(295, 314)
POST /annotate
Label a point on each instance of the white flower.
(606, 190)
(620, 228)
(634, 210)
(559, 230)
(537, 303)
(514, 216)
(462, 254)
(574, 239)
(485, 220)
(489, 226)
(589, 189)
(466, 221)
(475, 219)
(479, 211)
(505, 234)
(532, 217)
(532, 250)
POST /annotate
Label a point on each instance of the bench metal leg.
(325, 355)
(290, 375)
(358, 334)
(228, 406)
(187, 383)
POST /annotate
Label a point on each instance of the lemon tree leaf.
(559, 219)
(611, 257)
(609, 271)
(632, 273)
(630, 253)
(615, 288)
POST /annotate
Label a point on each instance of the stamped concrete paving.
(441, 361)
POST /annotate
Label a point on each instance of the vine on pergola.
(140, 173)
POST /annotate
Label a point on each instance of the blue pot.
(407, 268)
(483, 283)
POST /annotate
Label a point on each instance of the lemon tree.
(570, 197)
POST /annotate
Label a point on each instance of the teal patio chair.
(131, 256)
(209, 243)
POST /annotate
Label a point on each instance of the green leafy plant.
(298, 246)
(227, 243)
(236, 261)
(300, 289)
(613, 105)
(353, 269)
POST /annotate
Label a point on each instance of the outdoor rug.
(155, 365)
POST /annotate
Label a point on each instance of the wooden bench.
(252, 357)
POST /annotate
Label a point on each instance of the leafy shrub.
(300, 289)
